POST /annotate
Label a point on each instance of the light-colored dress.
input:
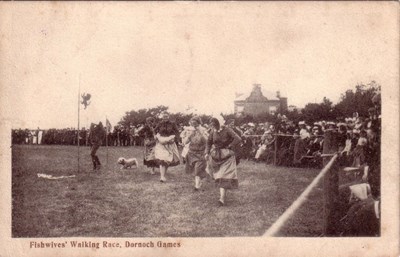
(185, 136)
(165, 151)
(195, 158)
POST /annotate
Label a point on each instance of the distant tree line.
(136, 118)
(357, 100)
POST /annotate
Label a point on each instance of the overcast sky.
(138, 55)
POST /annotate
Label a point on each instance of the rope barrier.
(327, 154)
(299, 201)
(282, 135)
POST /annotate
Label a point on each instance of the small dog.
(128, 163)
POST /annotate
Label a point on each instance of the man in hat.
(376, 100)
(96, 135)
(250, 129)
(238, 148)
(342, 135)
(315, 144)
(373, 122)
(331, 125)
(231, 124)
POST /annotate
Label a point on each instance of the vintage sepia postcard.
(199, 128)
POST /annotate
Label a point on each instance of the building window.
(272, 109)
(240, 109)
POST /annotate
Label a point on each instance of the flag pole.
(79, 107)
(106, 143)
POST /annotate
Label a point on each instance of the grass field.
(134, 203)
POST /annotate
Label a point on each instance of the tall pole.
(106, 143)
(86, 128)
(275, 149)
(79, 107)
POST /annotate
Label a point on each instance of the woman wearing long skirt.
(147, 132)
(166, 151)
(221, 157)
(195, 158)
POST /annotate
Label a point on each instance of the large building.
(256, 103)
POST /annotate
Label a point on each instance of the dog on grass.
(128, 163)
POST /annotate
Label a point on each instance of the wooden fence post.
(331, 185)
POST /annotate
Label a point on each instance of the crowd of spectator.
(119, 136)
(283, 142)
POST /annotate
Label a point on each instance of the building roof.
(268, 94)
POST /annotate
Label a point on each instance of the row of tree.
(139, 117)
(351, 101)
